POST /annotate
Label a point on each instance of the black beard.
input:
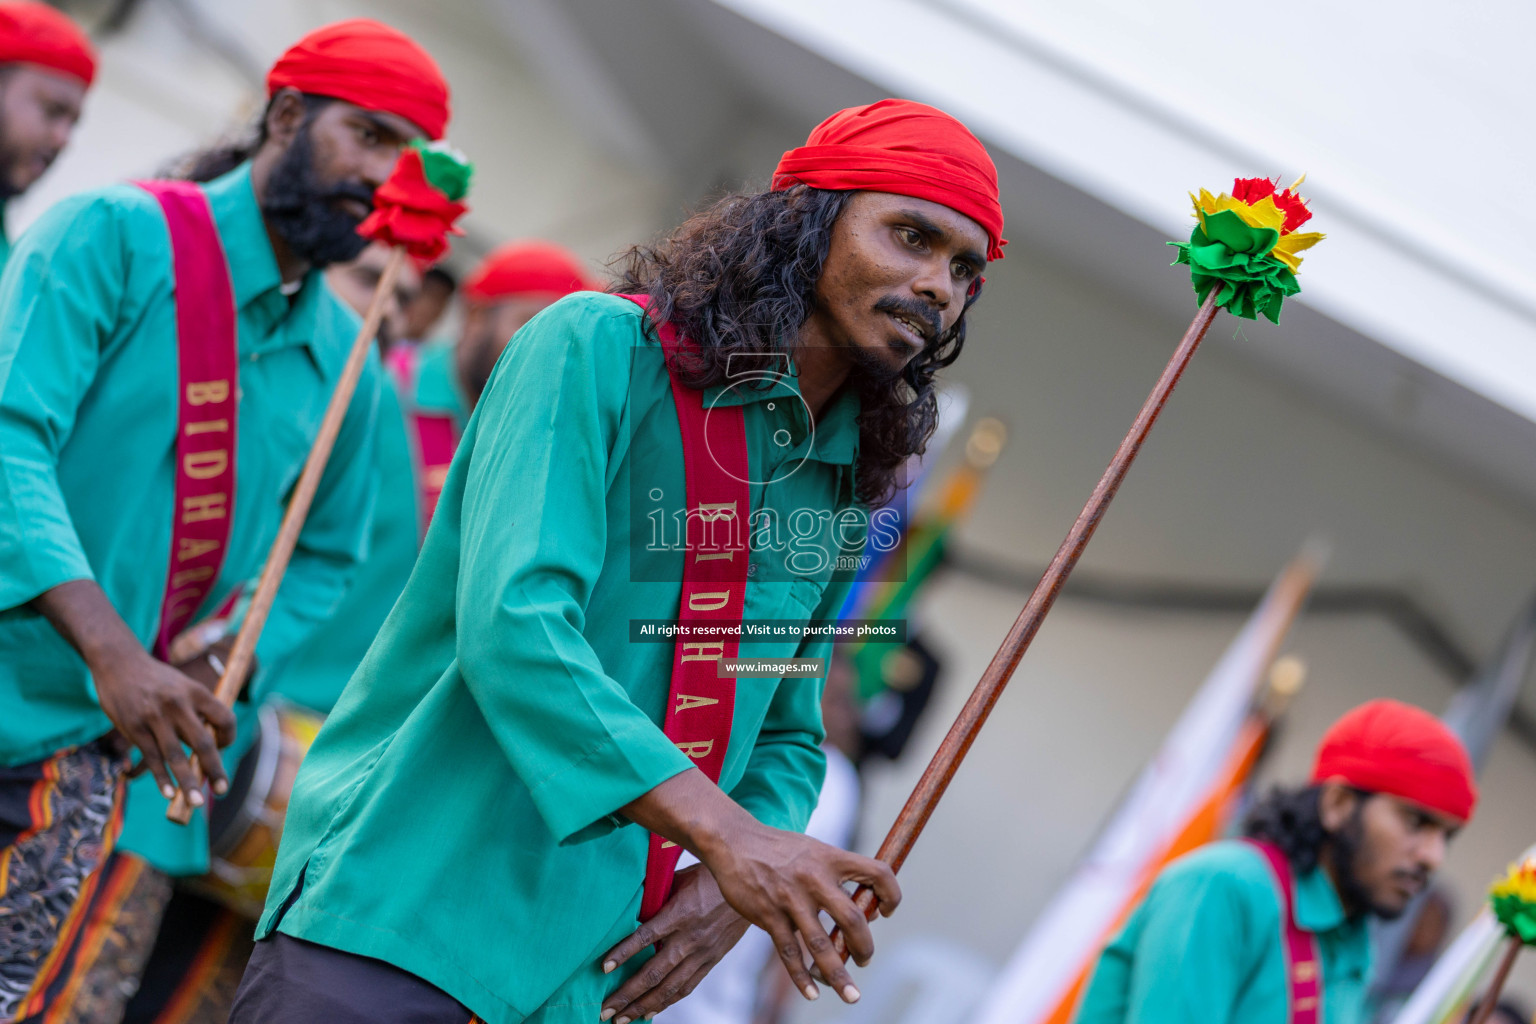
(1346, 850)
(302, 209)
(9, 158)
(870, 369)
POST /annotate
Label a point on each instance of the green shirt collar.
(256, 280)
(1317, 903)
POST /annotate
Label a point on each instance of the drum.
(247, 824)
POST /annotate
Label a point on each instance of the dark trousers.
(290, 981)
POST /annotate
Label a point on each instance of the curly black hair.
(740, 278)
(1291, 819)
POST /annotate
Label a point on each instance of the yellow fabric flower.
(1264, 215)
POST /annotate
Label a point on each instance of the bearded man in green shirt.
(1273, 929)
(46, 65)
(102, 408)
(469, 834)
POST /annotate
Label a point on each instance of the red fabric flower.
(409, 211)
(1252, 190)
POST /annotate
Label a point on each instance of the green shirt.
(1206, 947)
(437, 381)
(321, 668)
(456, 816)
(88, 407)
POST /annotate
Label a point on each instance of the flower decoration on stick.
(1246, 246)
(418, 203)
(1514, 901)
(413, 213)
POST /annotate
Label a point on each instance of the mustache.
(354, 190)
(913, 309)
(301, 199)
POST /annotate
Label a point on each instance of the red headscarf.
(1385, 746)
(523, 268)
(906, 148)
(34, 33)
(368, 63)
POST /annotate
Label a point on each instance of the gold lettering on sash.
(205, 465)
(686, 702)
(727, 555)
(205, 391)
(697, 749)
(181, 601)
(194, 548)
(701, 649)
(707, 514)
(185, 576)
(1305, 970)
(197, 507)
(708, 600)
(208, 427)
(669, 844)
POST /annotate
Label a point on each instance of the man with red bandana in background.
(499, 799)
(422, 411)
(46, 65)
(1273, 929)
(138, 495)
(510, 286)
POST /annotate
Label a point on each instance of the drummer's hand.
(161, 711)
(155, 707)
(207, 667)
(691, 932)
(196, 639)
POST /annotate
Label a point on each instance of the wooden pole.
(1491, 997)
(936, 777)
(180, 810)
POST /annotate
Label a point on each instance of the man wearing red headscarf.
(1272, 929)
(422, 412)
(46, 65)
(490, 821)
(174, 346)
(505, 291)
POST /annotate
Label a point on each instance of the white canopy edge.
(1421, 296)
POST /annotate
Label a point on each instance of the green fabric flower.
(1517, 915)
(1230, 255)
(446, 169)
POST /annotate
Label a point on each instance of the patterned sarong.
(59, 818)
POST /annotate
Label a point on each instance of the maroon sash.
(700, 704)
(207, 395)
(1303, 967)
(434, 435)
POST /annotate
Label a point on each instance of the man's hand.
(154, 706)
(780, 881)
(158, 708)
(691, 932)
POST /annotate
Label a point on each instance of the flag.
(1185, 797)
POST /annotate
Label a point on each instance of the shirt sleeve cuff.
(581, 801)
(38, 546)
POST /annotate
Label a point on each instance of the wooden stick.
(1491, 997)
(180, 810)
(936, 777)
